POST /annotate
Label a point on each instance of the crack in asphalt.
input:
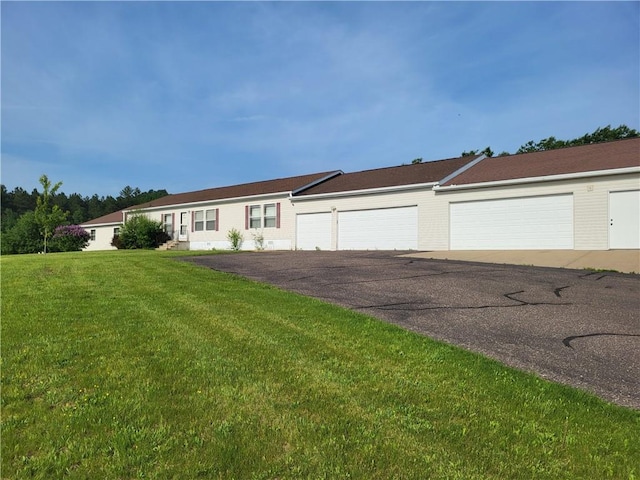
(559, 289)
(594, 273)
(520, 303)
(352, 282)
(567, 341)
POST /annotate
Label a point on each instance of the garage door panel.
(378, 229)
(313, 231)
(514, 224)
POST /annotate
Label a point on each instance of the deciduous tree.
(48, 216)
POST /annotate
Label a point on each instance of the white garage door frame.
(313, 231)
(624, 219)
(393, 228)
(516, 223)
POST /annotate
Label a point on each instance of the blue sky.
(186, 96)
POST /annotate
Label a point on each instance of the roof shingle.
(426, 172)
(236, 191)
(110, 218)
(581, 159)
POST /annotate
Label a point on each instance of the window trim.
(214, 219)
(253, 218)
(198, 225)
(261, 208)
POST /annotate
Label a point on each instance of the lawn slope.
(134, 365)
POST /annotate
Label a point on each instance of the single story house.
(583, 198)
(200, 220)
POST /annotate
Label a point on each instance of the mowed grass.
(135, 365)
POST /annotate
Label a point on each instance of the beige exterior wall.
(231, 214)
(590, 200)
(104, 235)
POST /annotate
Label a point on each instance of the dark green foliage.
(57, 209)
(601, 134)
(116, 242)
(487, 151)
(81, 209)
(23, 237)
(141, 232)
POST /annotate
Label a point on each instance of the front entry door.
(183, 236)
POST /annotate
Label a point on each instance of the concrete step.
(170, 245)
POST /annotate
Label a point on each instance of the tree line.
(18, 201)
(601, 134)
(48, 221)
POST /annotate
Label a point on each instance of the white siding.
(104, 236)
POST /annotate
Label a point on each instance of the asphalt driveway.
(577, 327)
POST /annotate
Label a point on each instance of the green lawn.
(133, 365)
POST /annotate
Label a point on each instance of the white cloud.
(136, 90)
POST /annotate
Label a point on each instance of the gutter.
(349, 193)
(205, 202)
(546, 178)
(88, 225)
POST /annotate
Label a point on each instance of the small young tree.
(48, 216)
(140, 231)
(69, 238)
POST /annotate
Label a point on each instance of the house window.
(198, 220)
(116, 231)
(255, 218)
(92, 234)
(211, 219)
(270, 215)
(259, 216)
(167, 221)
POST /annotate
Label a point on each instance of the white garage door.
(624, 219)
(526, 223)
(313, 231)
(379, 229)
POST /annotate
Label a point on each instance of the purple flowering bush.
(69, 238)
